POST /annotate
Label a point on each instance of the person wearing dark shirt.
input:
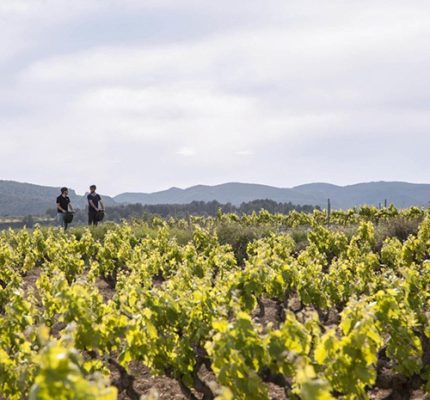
(95, 205)
(63, 207)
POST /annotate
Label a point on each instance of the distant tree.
(28, 221)
(51, 212)
(199, 208)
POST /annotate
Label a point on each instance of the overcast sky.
(142, 95)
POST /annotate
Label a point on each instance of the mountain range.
(19, 199)
(24, 198)
(401, 194)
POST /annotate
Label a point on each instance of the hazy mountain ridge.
(24, 198)
(402, 194)
(18, 198)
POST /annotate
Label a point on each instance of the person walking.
(95, 206)
(63, 207)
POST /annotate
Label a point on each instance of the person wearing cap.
(95, 205)
(63, 207)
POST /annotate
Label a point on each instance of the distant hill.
(18, 198)
(25, 198)
(399, 193)
(235, 193)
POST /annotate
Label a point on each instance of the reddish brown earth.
(168, 389)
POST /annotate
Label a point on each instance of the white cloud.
(274, 86)
(245, 153)
(186, 152)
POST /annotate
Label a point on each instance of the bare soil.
(168, 389)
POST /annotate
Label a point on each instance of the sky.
(139, 96)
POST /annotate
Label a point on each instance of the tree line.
(138, 211)
(200, 208)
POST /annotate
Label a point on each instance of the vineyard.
(258, 306)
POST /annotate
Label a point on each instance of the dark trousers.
(60, 219)
(92, 217)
